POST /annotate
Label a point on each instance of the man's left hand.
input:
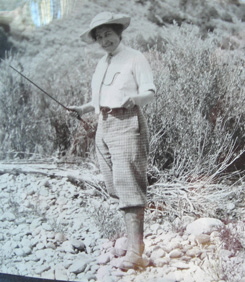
(129, 103)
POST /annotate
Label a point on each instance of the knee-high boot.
(134, 220)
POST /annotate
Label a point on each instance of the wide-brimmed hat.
(105, 18)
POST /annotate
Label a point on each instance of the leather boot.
(134, 220)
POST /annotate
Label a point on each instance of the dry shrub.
(224, 18)
(20, 136)
(197, 119)
(107, 218)
(227, 263)
(33, 125)
(199, 199)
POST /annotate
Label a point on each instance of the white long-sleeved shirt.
(127, 75)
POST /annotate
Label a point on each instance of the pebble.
(194, 252)
(230, 206)
(60, 237)
(181, 265)
(120, 247)
(104, 258)
(8, 216)
(177, 253)
(157, 254)
(203, 239)
(78, 266)
(79, 245)
(155, 227)
(41, 269)
(67, 247)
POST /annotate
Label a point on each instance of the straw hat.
(105, 18)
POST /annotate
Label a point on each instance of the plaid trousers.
(122, 144)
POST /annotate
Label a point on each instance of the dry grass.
(199, 199)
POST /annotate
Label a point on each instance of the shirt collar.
(119, 48)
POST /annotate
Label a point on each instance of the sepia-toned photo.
(122, 140)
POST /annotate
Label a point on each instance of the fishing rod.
(87, 126)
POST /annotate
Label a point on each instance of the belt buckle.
(106, 110)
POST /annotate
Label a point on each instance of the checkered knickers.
(122, 148)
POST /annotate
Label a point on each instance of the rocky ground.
(54, 224)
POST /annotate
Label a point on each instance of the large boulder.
(204, 226)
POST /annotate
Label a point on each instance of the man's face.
(107, 38)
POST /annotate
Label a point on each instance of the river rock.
(60, 273)
(155, 227)
(120, 247)
(80, 264)
(194, 252)
(204, 226)
(8, 216)
(41, 269)
(60, 237)
(203, 239)
(157, 254)
(177, 253)
(104, 258)
(78, 244)
(103, 273)
(67, 247)
(49, 274)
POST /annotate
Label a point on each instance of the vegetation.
(197, 120)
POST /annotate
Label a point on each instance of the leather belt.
(111, 111)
